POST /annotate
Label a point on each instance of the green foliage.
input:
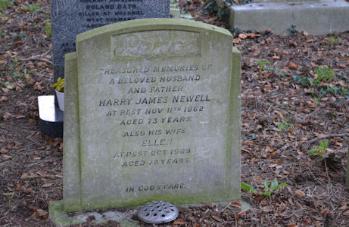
(319, 150)
(32, 8)
(4, 4)
(283, 126)
(263, 65)
(247, 188)
(48, 28)
(59, 85)
(333, 40)
(323, 74)
(303, 80)
(269, 187)
(333, 90)
(272, 186)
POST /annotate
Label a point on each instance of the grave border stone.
(316, 17)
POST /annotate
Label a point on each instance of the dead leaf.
(3, 99)
(7, 116)
(38, 86)
(10, 85)
(179, 222)
(18, 116)
(42, 214)
(6, 157)
(216, 218)
(299, 193)
(236, 40)
(47, 185)
(292, 66)
(25, 176)
(346, 213)
(29, 80)
(3, 150)
(243, 36)
(292, 225)
(275, 57)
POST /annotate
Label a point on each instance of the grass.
(319, 150)
(269, 188)
(321, 82)
(333, 40)
(4, 4)
(263, 65)
(48, 28)
(283, 126)
(32, 8)
(323, 74)
(272, 186)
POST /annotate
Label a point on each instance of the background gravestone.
(152, 113)
(71, 17)
(317, 17)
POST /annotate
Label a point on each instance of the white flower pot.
(60, 99)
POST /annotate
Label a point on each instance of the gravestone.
(152, 112)
(315, 17)
(71, 17)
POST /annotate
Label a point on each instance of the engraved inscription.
(153, 111)
(163, 43)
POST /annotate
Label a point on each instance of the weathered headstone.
(152, 113)
(71, 17)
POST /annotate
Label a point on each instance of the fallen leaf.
(25, 176)
(6, 157)
(10, 85)
(216, 218)
(29, 80)
(243, 36)
(38, 86)
(299, 193)
(236, 41)
(3, 99)
(7, 116)
(3, 150)
(42, 214)
(47, 185)
(346, 213)
(179, 222)
(292, 225)
(275, 57)
(292, 66)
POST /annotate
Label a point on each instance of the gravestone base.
(62, 218)
(50, 117)
(313, 17)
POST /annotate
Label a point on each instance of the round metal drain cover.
(158, 212)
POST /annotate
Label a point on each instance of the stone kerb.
(152, 113)
(279, 16)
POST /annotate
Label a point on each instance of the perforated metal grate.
(158, 212)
